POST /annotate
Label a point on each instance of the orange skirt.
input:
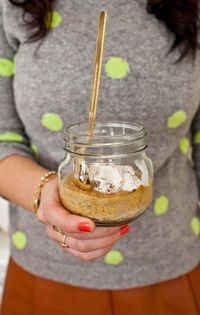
(26, 294)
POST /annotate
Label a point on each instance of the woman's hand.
(84, 239)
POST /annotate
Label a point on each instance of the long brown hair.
(180, 17)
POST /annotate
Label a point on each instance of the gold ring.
(58, 230)
(63, 244)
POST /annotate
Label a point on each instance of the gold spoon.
(97, 71)
(94, 96)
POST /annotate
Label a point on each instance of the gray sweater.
(44, 88)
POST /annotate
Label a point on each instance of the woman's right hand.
(84, 239)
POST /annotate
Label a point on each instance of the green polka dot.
(161, 205)
(11, 136)
(6, 67)
(19, 240)
(117, 68)
(176, 119)
(195, 226)
(52, 121)
(184, 145)
(53, 19)
(114, 257)
(197, 137)
(35, 151)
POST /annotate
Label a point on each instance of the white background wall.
(4, 243)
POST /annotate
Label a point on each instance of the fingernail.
(124, 229)
(84, 227)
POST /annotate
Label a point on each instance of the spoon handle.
(97, 70)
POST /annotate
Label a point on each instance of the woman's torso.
(147, 87)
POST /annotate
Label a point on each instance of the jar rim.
(74, 131)
(111, 137)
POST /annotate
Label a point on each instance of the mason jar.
(107, 177)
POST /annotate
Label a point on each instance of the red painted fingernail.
(124, 229)
(84, 227)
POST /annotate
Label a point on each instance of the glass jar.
(108, 177)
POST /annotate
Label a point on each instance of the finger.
(100, 232)
(89, 256)
(97, 233)
(55, 214)
(84, 245)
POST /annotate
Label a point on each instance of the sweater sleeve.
(13, 139)
(196, 146)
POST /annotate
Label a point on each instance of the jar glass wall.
(108, 177)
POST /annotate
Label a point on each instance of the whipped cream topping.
(109, 178)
